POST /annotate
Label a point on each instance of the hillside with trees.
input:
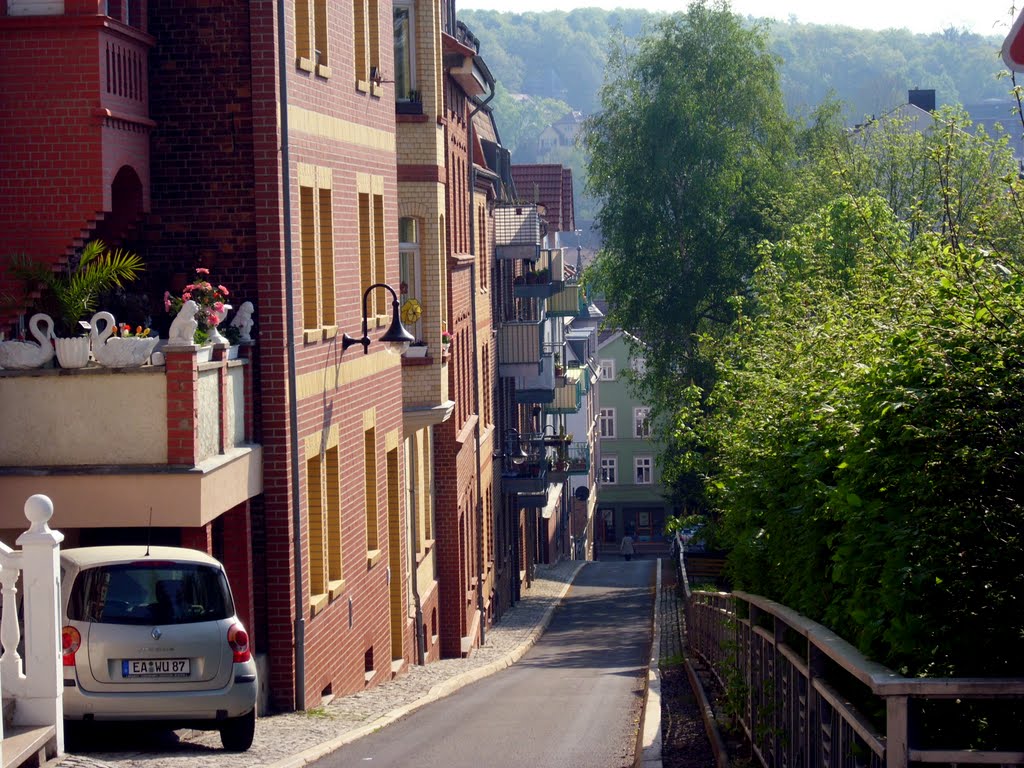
(550, 63)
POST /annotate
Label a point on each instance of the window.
(371, 243)
(642, 470)
(370, 467)
(409, 267)
(405, 51)
(311, 36)
(316, 239)
(606, 371)
(315, 499)
(607, 422)
(609, 470)
(366, 17)
(641, 422)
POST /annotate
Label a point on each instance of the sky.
(987, 17)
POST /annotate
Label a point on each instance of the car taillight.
(71, 641)
(238, 639)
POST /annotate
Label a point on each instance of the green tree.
(685, 156)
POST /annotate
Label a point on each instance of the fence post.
(42, 703)
(897, 726)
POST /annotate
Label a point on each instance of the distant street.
(573, 700)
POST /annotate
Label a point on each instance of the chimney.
(923, 98)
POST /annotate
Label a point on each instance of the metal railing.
(790, 682)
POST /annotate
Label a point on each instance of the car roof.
(89, 557)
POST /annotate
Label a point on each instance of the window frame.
(647, 466)
(603, 365)
(609, 462)
(410, 7)
(601, 421)
(642, 429)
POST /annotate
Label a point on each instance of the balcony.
(528, 478)
(569, 389)
(565, 302)
(166, 445)
(540, 387)
(519, 347)
(571, 459)
(517, 232)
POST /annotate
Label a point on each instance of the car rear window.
(150, 593)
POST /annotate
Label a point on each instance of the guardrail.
(791, 681)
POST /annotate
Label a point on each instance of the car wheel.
(236, 735)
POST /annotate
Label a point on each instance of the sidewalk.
(298, 738)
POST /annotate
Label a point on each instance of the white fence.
(35, 683)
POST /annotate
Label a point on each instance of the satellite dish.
(582, 493)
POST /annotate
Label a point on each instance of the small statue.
(184, 325)
(243, 321)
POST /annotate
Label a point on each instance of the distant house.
(561, 133)
(630, 497)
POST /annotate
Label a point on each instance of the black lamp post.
(396, 338)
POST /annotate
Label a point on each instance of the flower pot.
(118, 351)
(73, 352)
(416, 351)
(204, 354)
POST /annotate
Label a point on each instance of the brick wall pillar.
(200, 538)
(238, 561)
(182, 405)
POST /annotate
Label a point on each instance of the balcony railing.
(519, 346)
(539, 387)
(566, 302)
(572, 459)
(569, 390)
(517, 232)
(167, 445)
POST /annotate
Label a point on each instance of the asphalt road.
(573, 700)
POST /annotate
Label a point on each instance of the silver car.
(150, 633)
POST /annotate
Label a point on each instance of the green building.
(630, 497)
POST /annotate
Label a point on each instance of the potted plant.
(212, 307)
(446, 340)
(72, 294)
(559, 368)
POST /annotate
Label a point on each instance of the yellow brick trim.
(321, 441)
(306, 174)
(391, 440)
(369, 418)
(358, 367)
(323, 178)
(304, 120)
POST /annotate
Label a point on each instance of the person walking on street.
(627, 547)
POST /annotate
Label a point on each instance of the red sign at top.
(1013, 45)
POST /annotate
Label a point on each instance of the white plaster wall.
(208, 405)
(236, 405)
(105, 418)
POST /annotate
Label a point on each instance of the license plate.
(155, 668)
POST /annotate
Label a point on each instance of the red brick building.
(185, 134)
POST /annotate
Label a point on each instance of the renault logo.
(156, 633)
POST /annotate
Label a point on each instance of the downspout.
(293, 405)
(476, 365)
(421, 635)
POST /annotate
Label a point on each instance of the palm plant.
(72, 294)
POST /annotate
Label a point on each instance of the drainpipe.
(421, 637)
(476, 364)
(293, 405)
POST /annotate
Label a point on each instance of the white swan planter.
(23, 355)
(114, 351)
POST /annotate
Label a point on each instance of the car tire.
(237, 733)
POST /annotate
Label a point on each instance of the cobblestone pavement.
(670, 614)
(294, 738)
